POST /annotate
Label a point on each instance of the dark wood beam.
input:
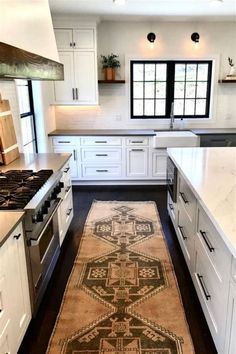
(16, 63)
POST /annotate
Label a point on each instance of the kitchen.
(115, 157)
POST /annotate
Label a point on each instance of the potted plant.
(109, 64)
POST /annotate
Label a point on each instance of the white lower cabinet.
(73, 161)
(15, 306)
(65, 211)
(159, 163)
(137, 163)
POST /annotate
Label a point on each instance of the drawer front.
(213, 245)
(101, 141)
(137, 140)
(101, 155)
(187, 199)
(64, 140)
(212, 294)
(101, 172)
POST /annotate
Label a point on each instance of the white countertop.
(211, 174)
(37, 162)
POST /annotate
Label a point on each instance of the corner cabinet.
(78, 53)
(15, 307)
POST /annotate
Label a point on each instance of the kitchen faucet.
(172, 117)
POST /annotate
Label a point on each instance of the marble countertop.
(214, 131)
(211, 174)
(106, 132)
(37, 162)
(8, 221)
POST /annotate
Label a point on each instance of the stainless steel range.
(38, 194)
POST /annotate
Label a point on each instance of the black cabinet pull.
(203, 286)
(76, 94)
(184, 198)
(66, 169)
(69, 211)
(136, 149)
(182, 232)
(101, 170)
(71, 44)
(68, 188)
(17, 236)
(171, 206)
(101, 142)
(74, 44)
(75, 155)
(63, 142)
(73, 93)
(207, 242)
(101, 155)
(137, 142)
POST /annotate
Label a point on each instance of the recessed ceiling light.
(119, 2)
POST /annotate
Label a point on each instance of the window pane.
(138, 90)
(179, 72)
(202, 72)
(149, 72)
(149, 90)
(178, 107)
(179, 89)
(138, 72)
(190, 89)
(200, 107)
(23, 96)
(160, 90)
(189, 107)
(138, 107)
(201, 89)
(160, 107)
(149, 107)
(161, 72)
(191, 72)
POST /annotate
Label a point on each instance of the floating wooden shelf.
(111, 81)
(224, 81)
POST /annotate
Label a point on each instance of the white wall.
(128, 39)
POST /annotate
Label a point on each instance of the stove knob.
(44, 209)
(54, 194)
(47, 203)
(39, 217)
(61, 184)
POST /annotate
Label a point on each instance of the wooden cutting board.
(8, 143)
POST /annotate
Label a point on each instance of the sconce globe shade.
(195, 37)
(151, 37)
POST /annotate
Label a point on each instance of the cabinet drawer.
(137, 140)
(101, 155)
(64, 140)
(101, 141)
(212, 294)
(187, 198)
(101, 172)
(213, 245)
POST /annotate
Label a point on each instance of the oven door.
(172, 179)
(44, 253)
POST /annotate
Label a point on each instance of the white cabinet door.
(64, 39)
(137, 162)
(65, 215)
(85, 77)
(159, 163)
(73, 159)
(83, 38)
(18, 298)
(230, 343)
(65, 90)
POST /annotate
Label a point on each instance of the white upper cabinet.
(75, 39)
(77, 52)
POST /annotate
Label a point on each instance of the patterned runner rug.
(122, 296)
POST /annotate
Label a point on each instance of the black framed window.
(26, 106)
(155, 85)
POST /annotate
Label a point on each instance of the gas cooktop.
(17, 187)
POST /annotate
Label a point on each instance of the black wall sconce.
(195, 37)
(151, 37)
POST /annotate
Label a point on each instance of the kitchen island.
(204, 218)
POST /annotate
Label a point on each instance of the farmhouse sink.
(175, 138)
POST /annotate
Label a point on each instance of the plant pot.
(110, 74)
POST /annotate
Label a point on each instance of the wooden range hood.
(16, 63)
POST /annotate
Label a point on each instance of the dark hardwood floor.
(39, 331)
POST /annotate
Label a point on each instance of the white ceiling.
(143, 9)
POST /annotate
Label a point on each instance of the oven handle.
(36, 242)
